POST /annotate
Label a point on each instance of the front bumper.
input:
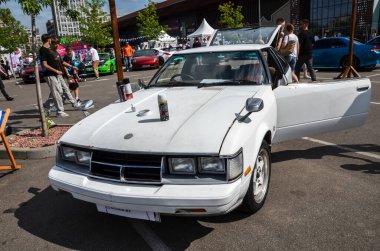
(166, 199)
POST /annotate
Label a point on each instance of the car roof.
(220, 48)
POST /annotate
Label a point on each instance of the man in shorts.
(94, 59)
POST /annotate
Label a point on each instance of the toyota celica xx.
(226, 106)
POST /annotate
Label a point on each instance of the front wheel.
(259, 183)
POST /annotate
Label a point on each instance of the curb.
(30, 153)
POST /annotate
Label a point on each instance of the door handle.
(362, 88)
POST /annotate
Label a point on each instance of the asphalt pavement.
(324, 194)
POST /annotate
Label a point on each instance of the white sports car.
(227, 104)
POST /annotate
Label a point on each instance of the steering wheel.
(182, 74)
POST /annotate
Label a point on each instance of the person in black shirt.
(305, 56)
(51, 68)
(197, 43)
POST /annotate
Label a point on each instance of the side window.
(275, 68)
(322, 44)
(337, 43)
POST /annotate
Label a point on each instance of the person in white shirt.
(292, 57)
(95, 60)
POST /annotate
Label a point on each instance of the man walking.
(95, 60)
(305, 56)
(51, 70)
(2, 86)
(127, 55)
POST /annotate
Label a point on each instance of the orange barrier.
(3, 121)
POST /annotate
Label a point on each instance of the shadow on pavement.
(370, 167)
(60, 219)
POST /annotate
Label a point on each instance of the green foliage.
(147, 22)
(94, 30)
(12, 34)
(231, 16)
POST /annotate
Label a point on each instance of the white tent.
(165, 38)
(203, 30)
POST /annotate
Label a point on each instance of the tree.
(12, 33)
(92, 26)
(147, 22)
(33, 8)
(231, 16)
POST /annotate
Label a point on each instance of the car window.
(274, 65)
(337, 43)
(322, 44)
(141, 53)
(375, 41)
(258, 35)
(224, 68)
(104, 57)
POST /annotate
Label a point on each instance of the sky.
(123, 7)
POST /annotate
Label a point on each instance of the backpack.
(288, 49)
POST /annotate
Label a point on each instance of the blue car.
(333, 53)
(375, 44)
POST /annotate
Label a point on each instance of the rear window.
(141, 53)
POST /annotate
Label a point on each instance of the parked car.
(107, 64)
(28, 75)
(163, 55)
(375, 43)
(333, 53)
(226, 106)
(145, 59)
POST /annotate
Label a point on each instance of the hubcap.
(260, 176)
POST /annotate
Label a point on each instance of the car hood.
(199, 121)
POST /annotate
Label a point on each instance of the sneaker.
(10, 98)
(307, 77)
(77, 104)
(97, 78)
(62, 114)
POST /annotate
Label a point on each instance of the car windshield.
(104, 57)
(215, 68)
(141, 53)
(258, 35)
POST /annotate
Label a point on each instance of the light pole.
(259, 13)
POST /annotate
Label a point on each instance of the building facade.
(333, 18)
(64, 25)
(28, 47)
(184, 16)
(50, 27)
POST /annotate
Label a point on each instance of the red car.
(28, 74)
(143, 59)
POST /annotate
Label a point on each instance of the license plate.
(146, 66)
(142, 215)
(89, 70)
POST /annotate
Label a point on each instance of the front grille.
(124, 167)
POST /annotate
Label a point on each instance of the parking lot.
(324, 194)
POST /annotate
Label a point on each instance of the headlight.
(235, 166)
(212, 165)
(83, 158)
(68, 153)
(182, 165)
(75, 155)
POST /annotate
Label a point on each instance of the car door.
(315, 108)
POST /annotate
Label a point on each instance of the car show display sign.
(4, 114)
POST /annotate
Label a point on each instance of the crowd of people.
(297, 49)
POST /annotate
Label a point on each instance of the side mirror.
(141, 84)
(254, 104)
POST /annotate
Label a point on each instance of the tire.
(112, 70)
(346, 61)
(256, 194)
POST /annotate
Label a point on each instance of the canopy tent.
(165, 38)
(203, 30)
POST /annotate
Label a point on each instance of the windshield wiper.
(229, 82)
